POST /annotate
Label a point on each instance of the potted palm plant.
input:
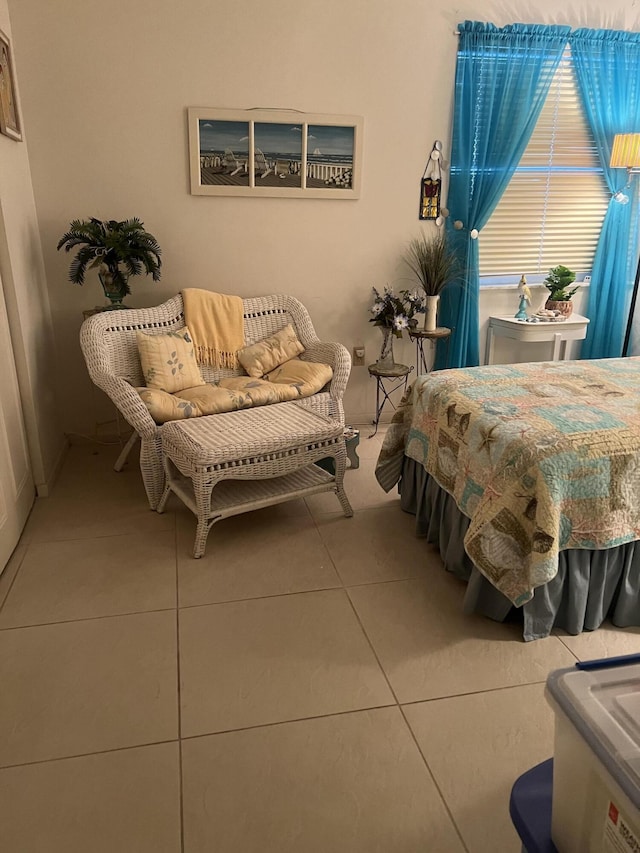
(557, 282)
(435, 265)
(117, 249)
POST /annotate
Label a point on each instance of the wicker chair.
(108, 342)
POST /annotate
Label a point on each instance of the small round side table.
(422, 335)
(396, 377)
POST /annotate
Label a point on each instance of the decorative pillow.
(238, 392)
(168, 360)
(268, 354)
(307, 377)
(165, 407)
(228, 395)
(295, 379)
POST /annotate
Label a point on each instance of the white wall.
(105, 89)
(27, 300)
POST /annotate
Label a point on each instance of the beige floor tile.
(377, 544)
(429, 648)
(353, 783)
(362, 488)
(7, 577)
(267, 552)
(608, 641)
(477, 746)
(118, 802)
(273, 659)
(90, 499)
(83, 578)
(81, 687)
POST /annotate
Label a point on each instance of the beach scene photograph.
(278, 154)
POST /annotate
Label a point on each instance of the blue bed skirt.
(590, 586)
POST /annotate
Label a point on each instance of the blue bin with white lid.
(596, 769)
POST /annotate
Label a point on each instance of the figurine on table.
(525, 299)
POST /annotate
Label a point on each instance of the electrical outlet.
(358, 356)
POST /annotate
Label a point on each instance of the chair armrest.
(128, 402)
(337, 356)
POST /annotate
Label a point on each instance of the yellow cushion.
(307, 377)
(165, 407)
(295, 379)
(168, 360)
(237, 392)
(269, 353)
(228, 395)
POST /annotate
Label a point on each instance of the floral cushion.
(307, 377)
(168, 360)
(228, 395)
(165, 407)
(294, 380)
(266, 355)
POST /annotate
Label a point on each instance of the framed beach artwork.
(274, 153)
(9, 118)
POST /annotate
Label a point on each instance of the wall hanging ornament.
(431, 185)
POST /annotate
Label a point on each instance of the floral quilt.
(540, 457)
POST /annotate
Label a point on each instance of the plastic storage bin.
(596, 774)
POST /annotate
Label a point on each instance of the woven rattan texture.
(108, 342)
(247, 434)
(269, 443)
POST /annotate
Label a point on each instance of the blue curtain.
(607, 64)
(502, 79)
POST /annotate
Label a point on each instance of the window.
(552, 211)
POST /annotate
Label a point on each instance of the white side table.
(572, 329)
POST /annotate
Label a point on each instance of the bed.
(527, 478)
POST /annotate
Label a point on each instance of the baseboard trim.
(43, 490)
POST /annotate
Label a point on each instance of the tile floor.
(310, 686)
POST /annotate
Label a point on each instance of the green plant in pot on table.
(557, 282)
(118, 250)
(435, 265)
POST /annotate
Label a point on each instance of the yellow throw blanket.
(216, 325)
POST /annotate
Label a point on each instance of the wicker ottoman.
(223, 465)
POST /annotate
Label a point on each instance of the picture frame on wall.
(274, 153)
(9, 113)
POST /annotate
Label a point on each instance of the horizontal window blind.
(552, 211)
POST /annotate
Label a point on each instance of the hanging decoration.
(431, 185)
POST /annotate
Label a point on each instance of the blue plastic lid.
(530, 808)
(602, 700)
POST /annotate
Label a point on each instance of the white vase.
(431, 313)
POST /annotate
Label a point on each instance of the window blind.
(552, 211)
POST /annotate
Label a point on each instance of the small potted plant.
(557, 282)
(118, 250)
(435, 265)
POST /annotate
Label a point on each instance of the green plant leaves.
(124, 248)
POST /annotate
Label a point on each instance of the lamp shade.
(625, 153)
